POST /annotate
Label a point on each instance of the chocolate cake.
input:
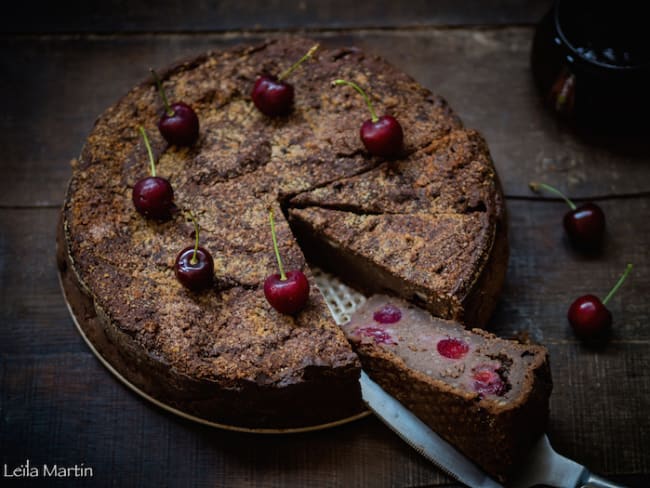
(428, 226)
(485, 395)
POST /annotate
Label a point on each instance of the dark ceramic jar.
(590, 60)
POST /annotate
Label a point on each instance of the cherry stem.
(293, 67)
(283, 276)
(373, 115)
(146, 143)
(536, 186)
(618, 284)
(161, 90)
(194, 259)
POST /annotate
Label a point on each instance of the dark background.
(61, 64)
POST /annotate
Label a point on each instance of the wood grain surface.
(59, 405)
(198, 16)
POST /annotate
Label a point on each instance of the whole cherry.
(194, 266)
(179, 124)
(382, 136)
(487, 380)
(272, 95)
(286, 292)
(153, 196)
(585, 225)
(388, 314)
(589, 317)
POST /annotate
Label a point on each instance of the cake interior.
(472, 362)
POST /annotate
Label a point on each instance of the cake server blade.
(546, 467)
(421, 438)
(543, 466)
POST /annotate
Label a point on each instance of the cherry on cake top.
(179, 124)
(382, 136)
(194, 265)
(286, 292)
(153, 196)
(272, 95)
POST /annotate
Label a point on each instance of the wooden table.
(60, 67)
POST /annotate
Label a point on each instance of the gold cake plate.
(342, 302)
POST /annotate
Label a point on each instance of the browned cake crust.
(225, 354)
(430, 228)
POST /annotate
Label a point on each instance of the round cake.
(428, 226)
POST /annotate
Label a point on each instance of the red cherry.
(179, 124)
(388, 314)
(452, 348)
(287, 293)
(272, 95)
(194, 268)
(487, 381)
(153, 196)
(589, 317)
(194, 265)
(585, 225)
(382, 136)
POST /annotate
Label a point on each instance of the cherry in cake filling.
(438, 348)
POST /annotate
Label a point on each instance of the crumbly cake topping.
(242, 163)
(452, 174)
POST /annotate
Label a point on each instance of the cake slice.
(486, 396)
(448, 262)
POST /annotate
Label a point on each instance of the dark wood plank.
(67, 408)
(597, 406)
(546, 274)
(193, 16)
(33, 315)
(47, 122)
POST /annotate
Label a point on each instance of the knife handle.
(593, 481)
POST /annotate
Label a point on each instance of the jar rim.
(574, 51)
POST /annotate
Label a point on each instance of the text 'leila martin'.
(28, 470)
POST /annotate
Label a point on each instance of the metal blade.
(421, 438)
(545, 466)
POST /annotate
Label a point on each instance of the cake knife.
(542, 467)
